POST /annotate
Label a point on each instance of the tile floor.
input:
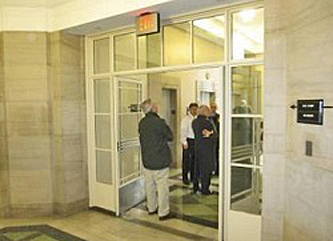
(196, 219)
(35, 233)
(134, 225)
(191, 210)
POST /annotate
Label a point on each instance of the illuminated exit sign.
(148, 23)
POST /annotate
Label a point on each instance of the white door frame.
(226, 84)
(116, 138)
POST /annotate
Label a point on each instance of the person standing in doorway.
(156, 157)
(215, 118)
(205, 150)
(187, 141)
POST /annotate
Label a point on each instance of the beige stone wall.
(66, 62)
(28, 122)
(4, 181)
(42, 123)
(299, 64)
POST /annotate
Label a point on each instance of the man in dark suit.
(156, 157)
(205, 150)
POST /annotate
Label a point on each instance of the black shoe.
(152, 213)
(207, 193)
(166, 217)
(186, 182)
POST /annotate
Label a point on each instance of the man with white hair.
(156, 158)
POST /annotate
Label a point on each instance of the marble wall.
(44, 122)
(4, 181)
(299, 64)
(66, 59)
(28, 122)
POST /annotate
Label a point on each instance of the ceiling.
(32, 3)
(166, 10)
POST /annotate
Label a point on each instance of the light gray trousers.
(157, 190)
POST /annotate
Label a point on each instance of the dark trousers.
(204, 176)
(217, 169)
(188, 160)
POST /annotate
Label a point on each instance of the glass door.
(102, 182)
(130, 184)
(245, 167)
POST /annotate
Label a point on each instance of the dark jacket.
(205, 147)
(154, 137)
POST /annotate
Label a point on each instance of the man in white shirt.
(187, 140)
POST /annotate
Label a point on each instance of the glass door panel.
(102, 94)
(246, 190)
(101, 170)
(102, 131)
(247, 89)
(149, 51)
(103, 167)
(248, 34)
(208, 39)
(124, 52)
(246, 153)
(101, 56)
(130, 181)
(177, 44)
(129, 126)
(130, 167)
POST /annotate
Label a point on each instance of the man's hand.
(206, 133)
(185, 146)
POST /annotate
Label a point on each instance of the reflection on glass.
(102, 131)
(242, 131)
(248, 34)
(207, 97)
(103, 167)
(149, 51)
(130, 163)
(177, 45)
(246, 189)
(247, 140)
(208, 39)
(102, 96)
(124, 52)
(101, 56)
(247, 89)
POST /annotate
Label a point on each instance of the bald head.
(204, 110)
(149, 106)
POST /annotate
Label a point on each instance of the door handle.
(119, 147)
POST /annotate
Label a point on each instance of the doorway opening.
(169, 108)
(121, 63)
(173, 91)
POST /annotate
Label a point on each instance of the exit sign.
(148, 23)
